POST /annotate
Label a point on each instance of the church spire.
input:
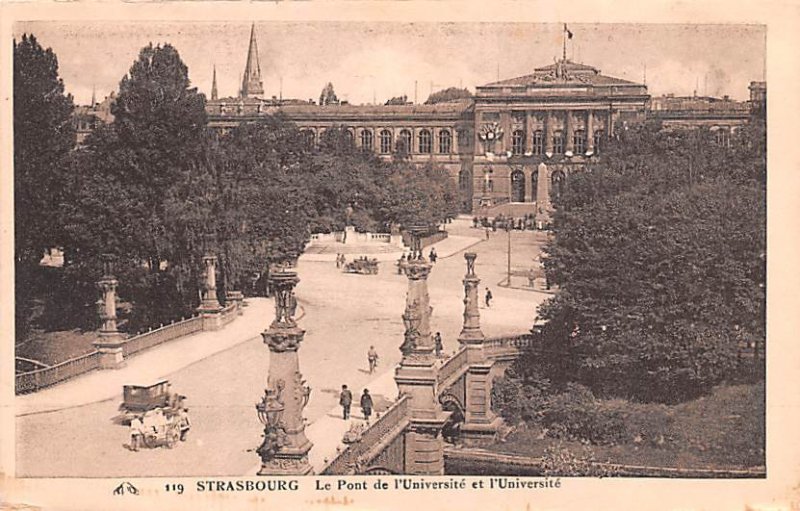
(94, 97)
(214, 95)
(251, 83)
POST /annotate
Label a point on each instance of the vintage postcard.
(371, 256)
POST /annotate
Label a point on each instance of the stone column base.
(110, 348)
(288, 462)
(212, 318)
(480, 434)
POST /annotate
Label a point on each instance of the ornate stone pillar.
(529, 129)
(589, 131)
(417, 376)
(569, 131)
(505, 124)
(471, 333)
(543, 205)
(110, 343)
(210, 309)
(284, 450)
(548, 133)
(480, 423)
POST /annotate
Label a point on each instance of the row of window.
(386, 143)
(538, 142)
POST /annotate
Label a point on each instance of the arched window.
(579, 141)
(558, 183)
(307, 136)
(722, 137)
(534, 182)
(445, 141)
(518, 142)
(517, 186)
(404, 141)
(366, 140)
(599, 141)
(538, 142)
(558, 142)
(425, 145)
(349, 137)
(386, 141)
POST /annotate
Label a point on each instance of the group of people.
(340, 260)
(506, 222)
(154, 422)
(346, 400)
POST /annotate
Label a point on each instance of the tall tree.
(660, 259)
(43, 136)
(160, 122)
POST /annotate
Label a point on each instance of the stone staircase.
(514, 209)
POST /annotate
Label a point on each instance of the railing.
(160, 335)
(507, 345)
(32, 381)
(377, 437)
(379, 236)
(452, 366)
(230, 312)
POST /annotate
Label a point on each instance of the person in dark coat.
(366, 404)
(488, 297)
(345, 399)
(437, 344)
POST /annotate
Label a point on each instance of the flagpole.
(564, 39)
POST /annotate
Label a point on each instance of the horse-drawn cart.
(362, 266)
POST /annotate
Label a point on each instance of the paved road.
(345, 314)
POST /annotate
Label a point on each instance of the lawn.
(53, 347)
(724, 430)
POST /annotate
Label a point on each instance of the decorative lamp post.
(417, 374)
(284, 450)
(471, 331)
(110, 343)
(270, 414)
(210, 309)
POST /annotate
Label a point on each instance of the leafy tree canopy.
(447, 95)
(659, 254)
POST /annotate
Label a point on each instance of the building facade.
(508, 148)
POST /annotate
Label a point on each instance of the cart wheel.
(150, 441)
(172, 437)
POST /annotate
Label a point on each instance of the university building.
(512, 144)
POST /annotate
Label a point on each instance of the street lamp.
(270, 414)
(508, 230)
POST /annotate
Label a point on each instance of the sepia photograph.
(275, 254)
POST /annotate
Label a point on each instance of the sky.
(369, 62)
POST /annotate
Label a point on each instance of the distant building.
(507, 147)
(495, 145)
(87, 118)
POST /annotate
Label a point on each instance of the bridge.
(436, 399)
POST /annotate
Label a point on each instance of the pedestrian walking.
(437, 344)
(372, 358)
(366, 404)
(488, 297)
(432, 256)
(183, 423)
(487, 233)
(137, 433)
(338, 261)
(345, 399)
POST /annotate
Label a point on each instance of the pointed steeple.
(251, 83)
(214, 85)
